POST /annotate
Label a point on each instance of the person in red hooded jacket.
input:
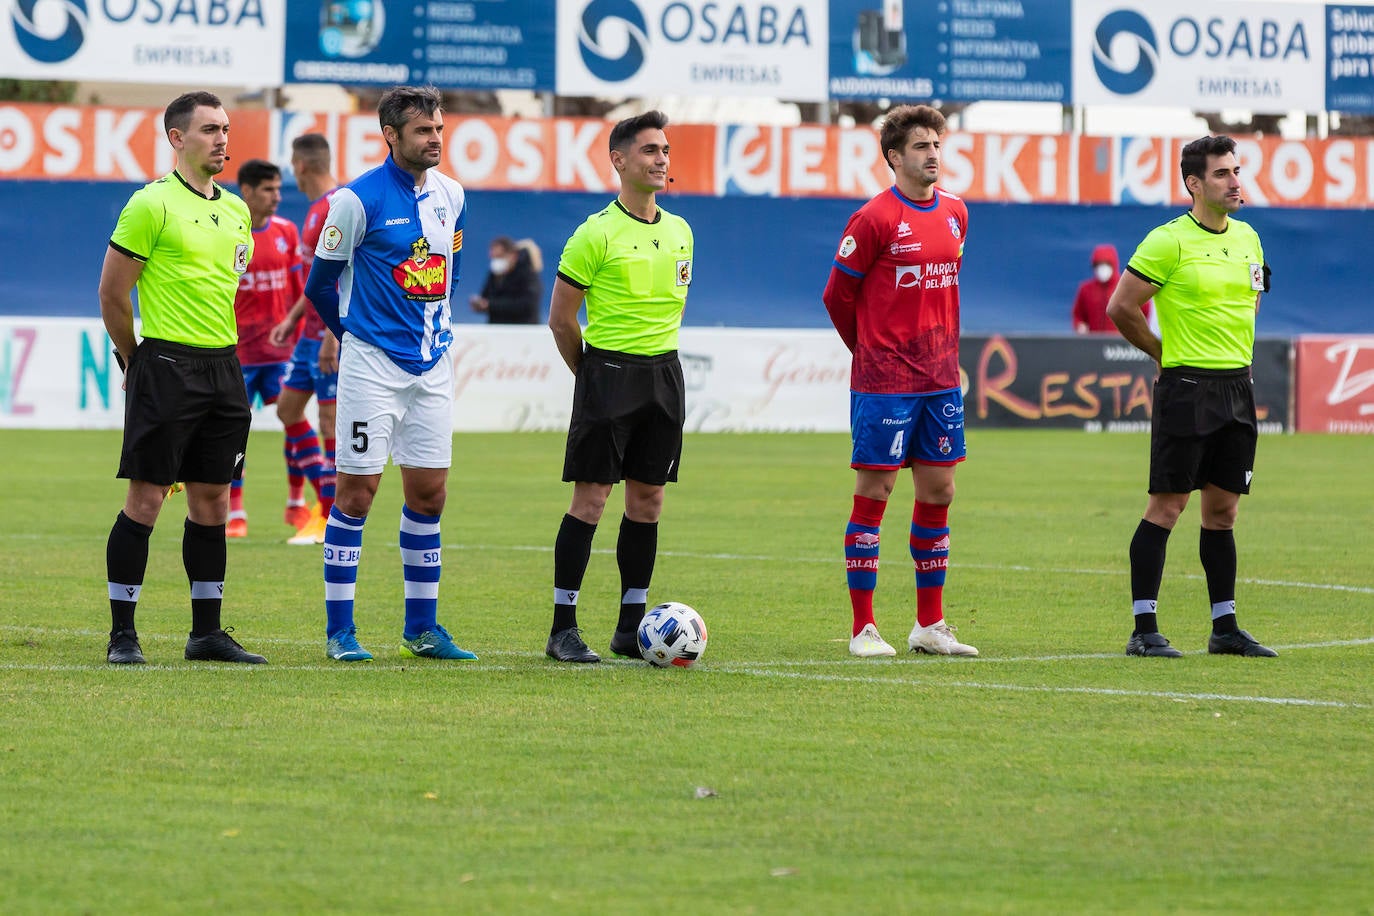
(1090, 305)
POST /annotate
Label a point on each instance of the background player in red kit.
(267, 289)
(314, 366)
(893, 295)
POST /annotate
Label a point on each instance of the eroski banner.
(809, 160)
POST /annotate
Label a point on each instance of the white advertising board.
(59, 374)
(694, 48)
(1264, 57)
(193, 43)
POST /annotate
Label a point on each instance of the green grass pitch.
(1053, 774)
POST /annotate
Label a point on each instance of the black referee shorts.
(627, 418)
(1203, 430)
(186, 414)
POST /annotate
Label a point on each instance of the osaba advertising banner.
(693, 48)
(1097, 383)
(1335, 384)
(186, 42)
(1265, 57)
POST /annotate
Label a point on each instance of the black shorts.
(1203, 430)
(627, 418)
(186, 414)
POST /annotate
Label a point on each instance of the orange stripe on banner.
(810, 160)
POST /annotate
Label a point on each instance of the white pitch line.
(1024, 688)
(264, 670)
(754, 670)
(259, 670)
(762, 558)
(844, 661)
(993, 567)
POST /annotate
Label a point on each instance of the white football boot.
(868, 644)
(937, 639)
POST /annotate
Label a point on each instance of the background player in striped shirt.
(893, 295)
(314, 366)
(267, 289)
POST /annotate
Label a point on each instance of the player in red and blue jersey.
(269, 287)
(893, 295)
(314, 366)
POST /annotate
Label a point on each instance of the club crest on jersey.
(281, 245)
(424, 276)
(942, 443)
(684, 273)
(847, 246)
(954, 227)
(442, 213)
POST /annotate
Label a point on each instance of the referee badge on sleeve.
(1257, 277)
(684, 272)
(240, 258)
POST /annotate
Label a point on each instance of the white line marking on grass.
(993, 567)
(1024, 688)
(236, 667)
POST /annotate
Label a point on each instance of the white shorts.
(384, 410)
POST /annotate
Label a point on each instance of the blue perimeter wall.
(760, 262)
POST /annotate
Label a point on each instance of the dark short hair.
(402, 103)
(180, 109)
(312, 149)
(504, 242)
(900, 122)
(1193, 159)
(257, 171)
(624, 133)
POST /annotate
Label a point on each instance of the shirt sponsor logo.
(847, 246)
(398, 221)
(423, 276)
(332, 237)
(903, 229)
(899, 248)
(909, 277)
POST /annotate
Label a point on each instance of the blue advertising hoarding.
(472, 44)
(1350, 58)
(952, 50)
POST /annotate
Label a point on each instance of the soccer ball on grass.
(672, 634)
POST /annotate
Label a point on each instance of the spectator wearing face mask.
(1090, 305)
(512, 290)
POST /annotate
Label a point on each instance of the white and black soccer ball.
(672, 634)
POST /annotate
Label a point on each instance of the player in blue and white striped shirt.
(382, 277)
